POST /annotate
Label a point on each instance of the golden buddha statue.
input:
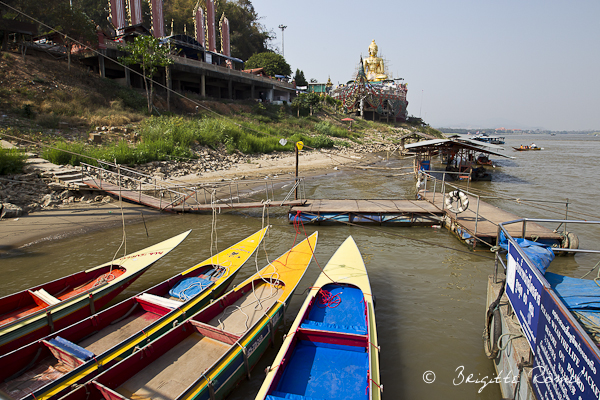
(373, 65)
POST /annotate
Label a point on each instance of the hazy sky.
(468, 63)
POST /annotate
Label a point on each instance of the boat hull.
(155, 321)
(216, 348)
(331, 349)
(51, 318)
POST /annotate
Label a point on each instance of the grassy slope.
(41, 99)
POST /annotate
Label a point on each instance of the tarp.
(347, 315)
(576, 294)
(324, 371)
(190, 287)
(540, 254)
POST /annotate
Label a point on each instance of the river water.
(430, 288)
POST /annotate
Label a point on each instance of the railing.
(173, 193)
(443, 191)
(502, 229)
(229, 71)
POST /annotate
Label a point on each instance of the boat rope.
(328, 299)
(213, 225)
(297, 221)
(511, 337)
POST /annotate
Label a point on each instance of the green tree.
(247, 34)
(299, 103)
(272, 63)
(74, 25)
(149, 54)
(300, 79)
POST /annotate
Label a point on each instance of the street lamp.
(282, 27)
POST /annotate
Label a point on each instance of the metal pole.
(566, 213)
(477, 215)
(434, 188)
(296, 181)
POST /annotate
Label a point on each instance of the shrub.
(11, 161)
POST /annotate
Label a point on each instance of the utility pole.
(282, 27)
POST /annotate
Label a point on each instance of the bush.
(12, 161)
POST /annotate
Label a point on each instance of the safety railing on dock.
(180, 196)
(429, 180)
(503, 232)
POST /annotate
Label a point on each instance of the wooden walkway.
(485, 226)
(169, 205)
(407, 212)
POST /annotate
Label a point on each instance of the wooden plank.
(159, 204)
(128, 194)
(385, 206)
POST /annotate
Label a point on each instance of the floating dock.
(481, 221)
(382, 212)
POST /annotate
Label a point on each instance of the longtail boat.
(37, 312)
(206, 356)
(49, 368)
(331, 349)
(527, 148)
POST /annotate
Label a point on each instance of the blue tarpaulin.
(347, 316)
(190, 287)
(319, 371)
(540, 254)
(576, 294)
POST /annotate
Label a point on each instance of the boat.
(549, 320)
(489, 139)
(527, 148)
(47, 369)
(209, 354)
(331, 350)
(484, 159)
(39, 311)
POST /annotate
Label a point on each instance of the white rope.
(213, 230)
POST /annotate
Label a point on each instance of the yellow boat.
(331, 350)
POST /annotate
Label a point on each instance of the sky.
(517, 64)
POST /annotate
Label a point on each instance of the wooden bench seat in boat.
(44, 296)
(70, 354)
(160, 301)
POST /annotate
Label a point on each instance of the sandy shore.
(79, 218)
(67, 221)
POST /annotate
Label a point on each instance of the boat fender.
(570, 241)
(459, 197)
(493, 328)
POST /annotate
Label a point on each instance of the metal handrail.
(502, 228)
(443, 192)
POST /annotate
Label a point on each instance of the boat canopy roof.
(427, 145)
(468, 139)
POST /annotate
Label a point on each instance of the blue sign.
(524, 288)
(565, 365)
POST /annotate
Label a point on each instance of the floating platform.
(180, 206)
(482, 222)
(382, 212)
